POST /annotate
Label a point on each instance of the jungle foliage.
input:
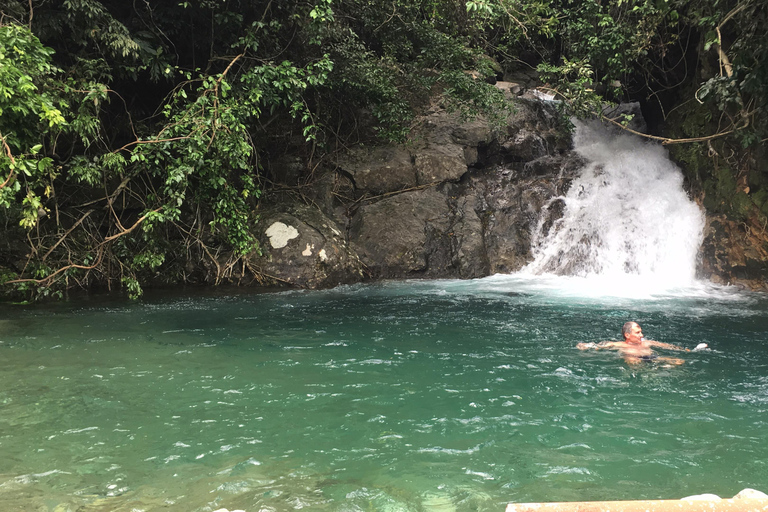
(134, 134)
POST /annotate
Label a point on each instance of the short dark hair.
(627, 328)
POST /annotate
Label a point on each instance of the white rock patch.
(308, 250)
(280, 234)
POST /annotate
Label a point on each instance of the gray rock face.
(468, 249)
(395, 237)
(379, 170)
(302, 247)
(733, 255)
(439, 164)
(461, 202)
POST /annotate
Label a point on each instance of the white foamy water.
(627, 220)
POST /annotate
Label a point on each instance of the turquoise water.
(418, 396)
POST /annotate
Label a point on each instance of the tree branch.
(65, 235)
(666, 140)
(46, 281)
(8, 152)
(134, 226)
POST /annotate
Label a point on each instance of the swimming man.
(636, 349)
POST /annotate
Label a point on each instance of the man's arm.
(667, 346)
(602, 344)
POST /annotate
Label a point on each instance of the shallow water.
(417, 396)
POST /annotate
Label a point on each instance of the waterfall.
(625, 216)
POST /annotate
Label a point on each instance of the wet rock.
(461, 200)
(379, 170)
(439, 164)
(525, 145)
(303, 247)
(628, 114)
(469, 247)
(750, 494)
(734, 253)
(703, 497)
(391, 236)
(510, 88)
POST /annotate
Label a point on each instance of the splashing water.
(626, 218)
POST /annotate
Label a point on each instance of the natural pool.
(416, 396)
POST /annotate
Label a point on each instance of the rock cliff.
(459, 200)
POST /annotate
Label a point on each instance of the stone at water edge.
(748, 500)
(742, 495)
(750, 494)
(712, 497)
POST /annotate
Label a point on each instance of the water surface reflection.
(441, 395)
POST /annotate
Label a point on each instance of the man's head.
(632, 332)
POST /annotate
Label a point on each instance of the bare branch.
(666, 140)
(134, 226)
(48, 280)
(8, 152)
(155, 141)
(65, 235)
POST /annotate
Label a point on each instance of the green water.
(425, 396)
